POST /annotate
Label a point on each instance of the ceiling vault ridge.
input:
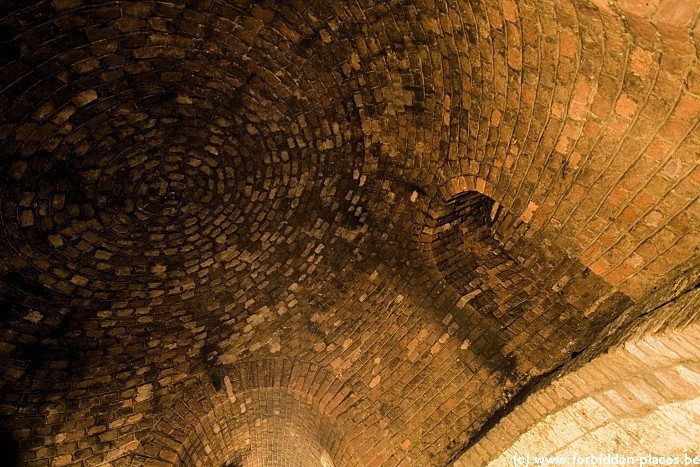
(348, 232)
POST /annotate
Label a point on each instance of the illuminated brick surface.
(241, 232)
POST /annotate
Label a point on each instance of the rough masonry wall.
(434, 202)
(641, 398)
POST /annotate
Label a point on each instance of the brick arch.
(261, 427)
(192, 175)
(641, 397)
(516, 289)
(595, 160)
(240, 414)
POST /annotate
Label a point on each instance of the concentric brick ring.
(195, 182)
(142, 171)
(112, 217)
(156, 190)
(164, 197)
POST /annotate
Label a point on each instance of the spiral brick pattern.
(377, 225)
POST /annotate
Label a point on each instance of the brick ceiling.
(327, 232)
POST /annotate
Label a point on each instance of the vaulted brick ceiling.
(343, 232)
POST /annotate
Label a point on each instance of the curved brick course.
(641, 398)
(430, 206)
